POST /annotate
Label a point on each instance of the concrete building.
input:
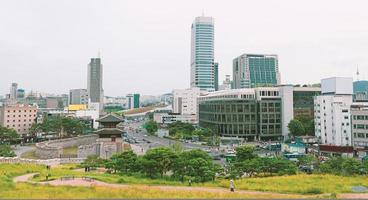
(133, 101)
(19, 117)
(52, 102)
(256, 70)
(91, 112)
(185, 101)
(202, 54)
(94, 81)
(359, 124)
(78, 96)
(226, 84)
(332, 114)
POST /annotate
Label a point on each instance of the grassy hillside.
(296, 186)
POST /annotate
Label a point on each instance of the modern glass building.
(202, 54)
(255, 70)
(94, 81)
(360, 89)
(248, 113)
(303, 98)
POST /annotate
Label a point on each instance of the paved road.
(19, 150)
(155, 141)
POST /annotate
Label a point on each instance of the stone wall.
(54, 148)
(88, 150)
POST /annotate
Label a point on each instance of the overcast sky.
(145, 45)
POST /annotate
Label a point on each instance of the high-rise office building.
(255, 70)
(202, 54)
(13, 91)
(78, 96)
(94, 81)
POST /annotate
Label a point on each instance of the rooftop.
(110, 118)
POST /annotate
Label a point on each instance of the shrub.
(312, 191)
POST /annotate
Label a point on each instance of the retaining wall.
(54, 148)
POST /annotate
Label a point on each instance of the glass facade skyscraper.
(251, 70)
(202, 54)
(94, 81)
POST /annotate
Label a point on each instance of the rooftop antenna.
(99, 54)
(357, 73)
(202, 12)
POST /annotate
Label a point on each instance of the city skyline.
(138, 43)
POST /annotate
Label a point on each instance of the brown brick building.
(18, 116)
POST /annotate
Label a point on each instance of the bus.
(230, 157)
(293, 156)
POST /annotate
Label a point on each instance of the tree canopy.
(6, 151)
(296, 128)
(7, 135)
(61, 125)
(151, 126)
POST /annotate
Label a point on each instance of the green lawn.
(295, 185)
(301, 184)
(29, 155)
(73, 150)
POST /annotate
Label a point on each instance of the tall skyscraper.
(94, 81)
(202, 54)
(255, 70)
(13, 91)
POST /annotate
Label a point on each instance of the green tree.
(296, 128)
(93, 161)
(6, 151)
(8, 135)
(307, 160)
(185, 130)
(125, 162)
(245, 152)
(69, 125)
(177, 147)
(151, 126)
(148, 166)
(196, 164)
(164, 158)
(341, 166)
(308, 124)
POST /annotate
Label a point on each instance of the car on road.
(207, 150)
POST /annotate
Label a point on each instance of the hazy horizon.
(145, 45)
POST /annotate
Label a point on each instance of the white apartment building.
(185, 102)
(332, 114)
